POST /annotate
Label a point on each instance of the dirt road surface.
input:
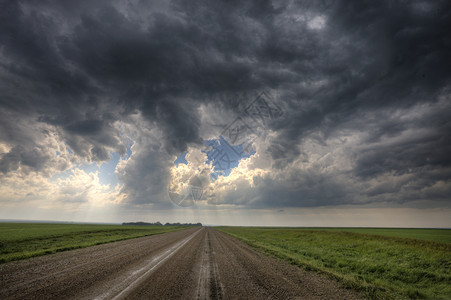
(198, 263)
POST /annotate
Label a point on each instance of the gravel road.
(197, 263)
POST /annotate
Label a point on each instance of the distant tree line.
(159, 224)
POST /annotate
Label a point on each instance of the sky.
(281, 113)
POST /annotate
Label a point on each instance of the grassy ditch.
(25, 240)
(381, 266)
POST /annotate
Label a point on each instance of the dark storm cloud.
(376, 55)
(145, 178)
(81, 66)
(74, 62)
(34, 159)
(395, 58)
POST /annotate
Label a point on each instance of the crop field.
(382, 263)
(24, 240)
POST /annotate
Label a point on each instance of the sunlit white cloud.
(76, 192)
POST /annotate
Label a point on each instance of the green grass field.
(382, 263)
(24, 240)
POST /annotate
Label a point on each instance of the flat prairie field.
(24, 240)
(382, 263)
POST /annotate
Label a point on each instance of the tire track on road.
(138, 276)
(72, 260)
(81, 273)
(249, 274)
(209, 285)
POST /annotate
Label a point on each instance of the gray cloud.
(336, 66)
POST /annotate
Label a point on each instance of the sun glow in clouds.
(189, 175)
(223, 155)
(198, 180)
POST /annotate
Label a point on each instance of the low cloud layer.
(364, 88)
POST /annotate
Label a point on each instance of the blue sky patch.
(224, 157)
(181, 159)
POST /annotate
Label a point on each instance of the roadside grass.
(25, 240)
(379, 266)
